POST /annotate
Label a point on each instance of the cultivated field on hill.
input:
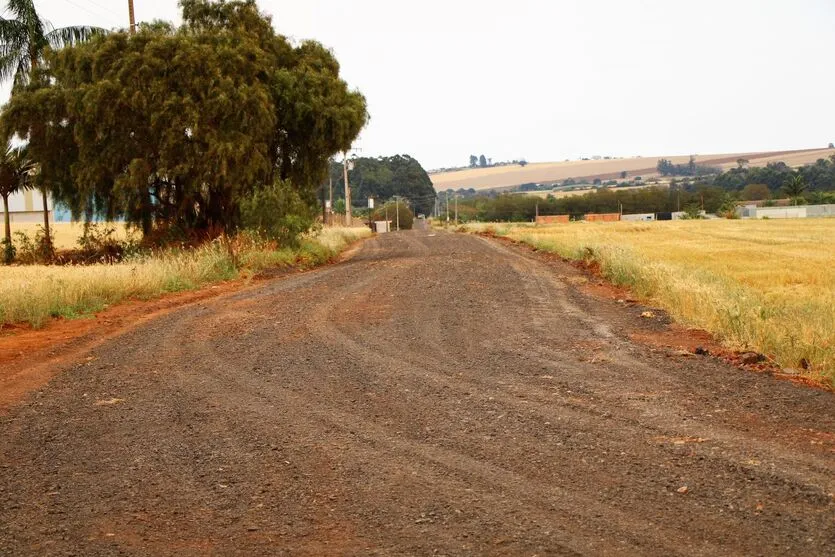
(509, 176)
(766, 285)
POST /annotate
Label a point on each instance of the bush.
(30, 250)
(8, 251)
(98, 244)
(278, 212)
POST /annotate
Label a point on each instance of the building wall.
(820, 210)
(603, 217)
(781, 212)
(26, 201)
(549, 219)
(27, 206)
(638, 217)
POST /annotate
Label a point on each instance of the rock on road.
(435, 394)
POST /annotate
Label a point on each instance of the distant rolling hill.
(504, 177)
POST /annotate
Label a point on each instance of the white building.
(27, 206)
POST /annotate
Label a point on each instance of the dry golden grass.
(762, 285)
(34, 293)
(65, 234)
(507, 176)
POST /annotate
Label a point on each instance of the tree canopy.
(385, 177)
(174, 127)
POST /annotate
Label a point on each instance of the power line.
(110, 16)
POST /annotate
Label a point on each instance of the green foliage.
(385, 177)
(277, 212)
(9, 251)
(727, 208)
(391, 210)
(99, 243)
(25, 38)
(755, 192)
(692, 211)
(667, 168)
(31, 250)
(15, 167)
(795, 186)
(173, 128)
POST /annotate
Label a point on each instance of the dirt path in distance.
(437, 393)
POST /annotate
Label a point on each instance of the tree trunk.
(7, 219)
(47, 236)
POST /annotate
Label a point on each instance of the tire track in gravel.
(437, 393)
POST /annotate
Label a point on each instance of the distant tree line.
(484, 162)
(515, 207)
(692, 168)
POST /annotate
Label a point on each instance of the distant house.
(27, 206)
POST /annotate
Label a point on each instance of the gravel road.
(435, 394)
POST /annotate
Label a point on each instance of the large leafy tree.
(15, 169)
(385, 177)
(174, 127)
(25, 39)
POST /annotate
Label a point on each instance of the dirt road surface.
(437, 394)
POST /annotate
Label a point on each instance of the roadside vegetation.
(34, 294)
(767, 286)
(208, 142)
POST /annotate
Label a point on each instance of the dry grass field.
(508, 176)
(35, 293)
(762, 285)
(65, 234)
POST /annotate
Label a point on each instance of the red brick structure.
(603, 217)
(551, 219)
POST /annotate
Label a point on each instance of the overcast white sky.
(555, 79)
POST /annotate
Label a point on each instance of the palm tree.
(794, 187)
(24, 41)
(15, 170)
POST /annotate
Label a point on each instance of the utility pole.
(132, 18)
(324, 208)
(397, 207)
(330, 188)
(456, 210)
(537, 212)
(447, 207)
(347, 190)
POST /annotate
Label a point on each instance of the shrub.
(30, 250)
(278, 212)
(98, 244)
